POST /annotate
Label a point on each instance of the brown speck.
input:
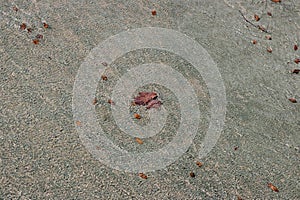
(269, 13)
(111, 102)
(256, 17)
(269, 49)
(254, 41)
(139, 140)
(273, 187)
(293, 100)
(95, 101)
(103, 77)
(236, 148)
(78, 123)
(104, 64)
(45, 25)
(39, 36)
(36, 41)
(137, 116)
(239, 197)
(295, 71)
(23, 26)
(192, 174)
(153, 12)
(268, 37)
(295, 47)
(143, 176)
(29, 30)
(297, 60)
(199, 163)
(15, 8)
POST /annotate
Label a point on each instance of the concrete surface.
(41, 155)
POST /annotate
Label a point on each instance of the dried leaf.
(192, 174)
(23, 26)
(15, 8)
(137, 116)
(295, 71)
(153, 104)
(153, 12)
(103, 77)
(143, 176)
(273, 187)
(111, 102)
(199, 163)
(36, 41)
(39, 36)
(95, 101)
(293, 100)
(144, 98)
(139, 140)
(268, 37)
(45, 25)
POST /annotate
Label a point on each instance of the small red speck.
(295, 47)
(199, 164)
(153, 12)
(192, 174)
(137, 116)
(297, 60)
(254, 41)
(273, 187)
(15, 8)
(23, 26)
(143, 176)
(36, 41)
(95, 101)
(103, 77)
(111, 102)
(293, 100)
(256, 17)
(295, 71)
(45, 25)
(39, 36)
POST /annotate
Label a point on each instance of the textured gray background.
(41, 155)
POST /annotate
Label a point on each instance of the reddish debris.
(153, 104)
(295, 71)
(297, 60)
(144, 98)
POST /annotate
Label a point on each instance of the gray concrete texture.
(41, 154)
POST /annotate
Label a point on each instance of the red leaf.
(144, 98)
(153, 104)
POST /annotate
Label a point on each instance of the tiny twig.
(260, 27)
